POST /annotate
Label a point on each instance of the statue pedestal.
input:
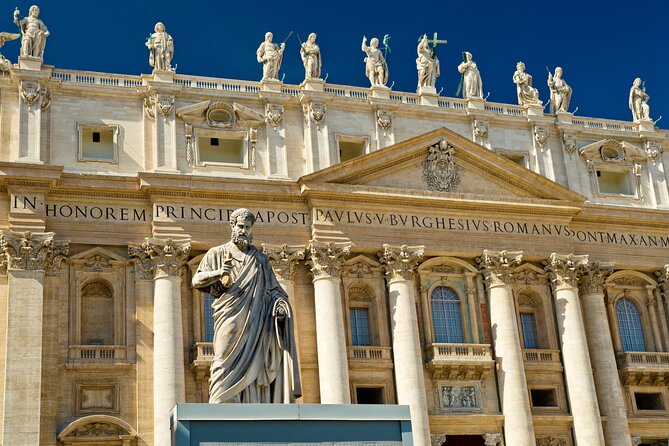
(428, 96)
(534, 109)
(283, 424)
(380, 92)
(475, 104)
(30, 63)
(312, 84)
(646, 125)
(271, 85)
(563, 117)
(163, 76)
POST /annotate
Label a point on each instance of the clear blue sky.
(602, 45)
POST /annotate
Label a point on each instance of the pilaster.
(275, 130)
(326, 259)
(160, 119)
(399, 263)
(316, 141)
(34, 98)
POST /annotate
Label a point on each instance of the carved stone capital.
(284, 259)
(492, 439)
(399, 262)
(663, 280)
(159, 258)
(592, 277)
(636, 441)
(327, 258)
(563, 269)
(31, 251)
(437, 439)
(496, 266)
(165, 104)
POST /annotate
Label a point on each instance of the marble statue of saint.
(255, 359)
(376, 67)
(526, 93)
(34, 33)
(638, 102)
(472, 84)
(269, 55)
(5, 64)
(311, 57)
(560, 92)
(426, 64)
(161, 48)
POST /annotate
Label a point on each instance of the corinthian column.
(164, 260)
(284, 260)
(25, 257)
(563, 270)
(605, 370)
(326, 261)
(400, 263)
(496, 268)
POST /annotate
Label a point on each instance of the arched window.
(208, 318)
(629, 324)
(446, 316)
(97, 314)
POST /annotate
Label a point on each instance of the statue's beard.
(242, 242)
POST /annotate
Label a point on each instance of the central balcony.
(459, 361)
(369, 357)
(542, 359)
(644, 368)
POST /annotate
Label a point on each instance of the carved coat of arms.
(439, 169)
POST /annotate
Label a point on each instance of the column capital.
(563, 269)
(492, 439)
(496, 266)
(399, 262)
(35, 251)
(437, 439)
(636, 441)
(592, 277)
(157, 258)
(284, 259)
(326, 258)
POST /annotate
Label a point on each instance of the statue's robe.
(255, 358)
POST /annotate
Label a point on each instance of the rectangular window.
(96, 136)
(649, 401)
(208, 318)
(529, 328)
(223, 149)
(351, 146)
(98, 142)
(543, 398)
(359, 326)
(518, 158)
(613, 182)
(369, 395)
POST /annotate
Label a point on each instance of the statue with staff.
(376, 67)
(33, 33)
(161, 48)
(560, 91)
(427, 62)
(269, 54)
(472, 86)
(311, 57)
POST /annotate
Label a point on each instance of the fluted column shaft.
(326, 260)
(399, 263)
(518, 424)
(29, 257)
(602, 355)
(563, 270)
(165, 260)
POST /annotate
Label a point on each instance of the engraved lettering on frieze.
(284, 259)
(551, 441)
(569, 143)
(592, 277)
(32, 251)
(149, 106)
(384, 119)
(455, 397)
(326, 258)
(165, 104)
(274, 114)
(541, 135)
(444, 269)
(563, 269)
(492, 439)
(496, 266)
(159, 258)
(30, 92)
(399, 262)
(188, 132)
(439, 169)
(480, 130)
(654, 150)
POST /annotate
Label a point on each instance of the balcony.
(644, 368)
(536, 359)
(99, 354)
(370, 357)
(459, 361)
(203, 354)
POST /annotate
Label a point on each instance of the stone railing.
(346, 91)
(649, 360)
(369, 353)
(458, 352)
(203, 351)
(212, 83)
(541, 356)
(81, 353)
(93, 78)
(605, 124)
(504, 109)
(459, 361)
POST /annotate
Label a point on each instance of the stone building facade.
(501, 270)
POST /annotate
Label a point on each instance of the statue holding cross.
(427, 63)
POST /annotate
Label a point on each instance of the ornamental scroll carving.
(32, 251)
(30, 92)
(480, 130)
(437, 439)
(541, 136)
(439, 169)
(551, 441)
(326, 258)
(384, 119)
(274, 114)
(496, 266)
(592, 277)
(563, 269)
(569, 143)
(492, 439)
(314, 111)
(399, 262)
(284, 259)
(159, 258)
(165, 104)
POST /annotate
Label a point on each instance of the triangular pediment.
(98, 252)
(438, 164)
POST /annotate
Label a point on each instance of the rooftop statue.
(5, 37)
(34, 33)
(269, 55)
(376, 67)
(427, 64)
(526, 93)
(473, 86)
(638, 101)
(255, 359)
(311, 57)
(560, 92)
(161, 48)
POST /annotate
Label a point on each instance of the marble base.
(646, 125)
(475, 104)
(534, 110)
(428, 96)
(271, 85)
(163, 76)
(564, 117)
(30, 63)
(380, 92)
(313, 84)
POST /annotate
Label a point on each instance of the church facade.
(501, 270)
